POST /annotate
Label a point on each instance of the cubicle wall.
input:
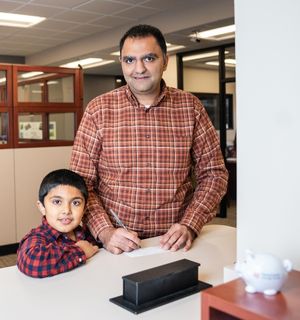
(21, 171)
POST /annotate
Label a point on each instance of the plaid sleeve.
(210, 173)
(84, 161)
(39, 258)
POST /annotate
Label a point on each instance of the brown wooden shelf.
(230, 301)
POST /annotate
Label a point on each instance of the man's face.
(63, 207)
(143, 64)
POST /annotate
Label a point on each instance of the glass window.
(61, 89)
(30, 127)
(3, 86)
(32, 92)
(3, 127)
(61, 126)
(38, 86)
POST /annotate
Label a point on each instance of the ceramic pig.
(263, 272)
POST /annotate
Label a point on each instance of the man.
(137, 147)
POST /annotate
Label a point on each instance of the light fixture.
(200, 56)
(19, 20)
(173, 47)
(115, 53)
(87, 63)
(31, 74)
(228, 63)
(218, 34)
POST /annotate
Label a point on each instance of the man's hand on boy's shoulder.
(88, 248)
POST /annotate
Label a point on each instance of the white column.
(268, 124)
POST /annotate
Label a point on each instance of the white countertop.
(84, 293)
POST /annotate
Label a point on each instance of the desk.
(230, 301)
(84, 293)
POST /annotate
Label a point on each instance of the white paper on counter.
(145, 252)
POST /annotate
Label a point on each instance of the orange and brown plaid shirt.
(138, 162)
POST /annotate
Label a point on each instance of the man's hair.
(142, 31)
(62, 177)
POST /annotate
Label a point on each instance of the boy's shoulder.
(43, 231)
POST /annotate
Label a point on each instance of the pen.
(118, 220)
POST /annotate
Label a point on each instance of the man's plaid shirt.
(138, 162)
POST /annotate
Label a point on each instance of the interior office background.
(267, 137)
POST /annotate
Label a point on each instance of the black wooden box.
(156, 286)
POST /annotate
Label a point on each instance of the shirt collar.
(163, 92)
(56, 234)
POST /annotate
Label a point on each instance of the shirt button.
(147, 136)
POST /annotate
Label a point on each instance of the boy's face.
(63, 207)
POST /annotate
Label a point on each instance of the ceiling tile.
(137, 13)
(9, 6)
(77, 16)
(112, 21)
(53, 24)
(61, 3)
(103, 7)
(88, 29)
(38, 10)
(139, 2)
(162, 4)
(36, 32)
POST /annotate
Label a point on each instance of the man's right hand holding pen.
(118, 240)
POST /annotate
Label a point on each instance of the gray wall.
(95, 85)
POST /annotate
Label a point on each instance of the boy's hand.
(87, 248)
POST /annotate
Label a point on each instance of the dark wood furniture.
(230, 301)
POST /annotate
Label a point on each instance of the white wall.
(268, 65)
(170, 75)
(7, 199)
(21, 172)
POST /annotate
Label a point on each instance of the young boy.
(59, 244)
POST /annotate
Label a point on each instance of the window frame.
(6, 106)
(45, 107)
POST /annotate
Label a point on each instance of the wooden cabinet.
(230, 301)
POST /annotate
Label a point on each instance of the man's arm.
(85, 160)
(211, 184)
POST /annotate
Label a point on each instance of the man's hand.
(118, 240)
(178, 236)
(87, 248)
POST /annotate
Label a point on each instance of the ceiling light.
(221, 33)
(173, 47)
(19, 20)
(202, 55)
(115, 53)
(228, 63)
(31, 74)
(87, 63)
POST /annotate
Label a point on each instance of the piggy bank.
(263, 272)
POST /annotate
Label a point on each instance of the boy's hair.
(142, 31)
(62, 177)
